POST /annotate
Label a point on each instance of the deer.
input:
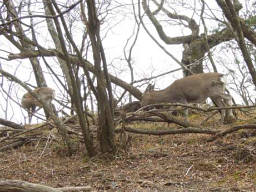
(29, 102)
(128, 108)
(193, 89)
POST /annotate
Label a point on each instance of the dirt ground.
(185, 162)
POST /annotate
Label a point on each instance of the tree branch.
(75, 60)
(21, 186)
(236, 23)
(11, 124)
(231, 130)
(159, 28)
(169, 132)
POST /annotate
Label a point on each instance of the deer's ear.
(150, 87)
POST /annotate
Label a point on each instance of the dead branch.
(19, 139)
(162, 105)
(159, 105)
(11, 124)
(3, 129)
(231, 130)
(82, 188)
(39, 126)
(171, 119)
(21, 186)
(209, 117)
(161, 117)
(14, 144)
(169, 132)
(141, 118)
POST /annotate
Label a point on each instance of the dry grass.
(153, 163)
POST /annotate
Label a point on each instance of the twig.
(189, 170)
(26, 131)
(231, 130)
(194, 107)
(11, 124)
(82, 188)
(210, 116)
(47, 142)
(14, 144)
(169, 132)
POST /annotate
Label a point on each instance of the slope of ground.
(185, 162)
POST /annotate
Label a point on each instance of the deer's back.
(44, 93)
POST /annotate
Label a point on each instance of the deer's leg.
(220, 103)
(30, 114)
(185, 111)
(223, 100)
(186, 115)
(229, 118)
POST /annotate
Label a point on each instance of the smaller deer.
(29, 102)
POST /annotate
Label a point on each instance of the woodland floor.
(184, 162)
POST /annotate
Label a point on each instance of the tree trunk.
(76, 95)
(192, 57)
(106, 123)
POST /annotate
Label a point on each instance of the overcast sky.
(148, 58)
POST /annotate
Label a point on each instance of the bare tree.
(12, 14)
(241, 82)
(104, 98)
(231, 11)
(128, 54)
(195, 45)
(69, 63)
(67, 40)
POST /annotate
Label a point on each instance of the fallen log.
(21, 186)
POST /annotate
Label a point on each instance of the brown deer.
(127, 108)
(29, 102)
(193, 89)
